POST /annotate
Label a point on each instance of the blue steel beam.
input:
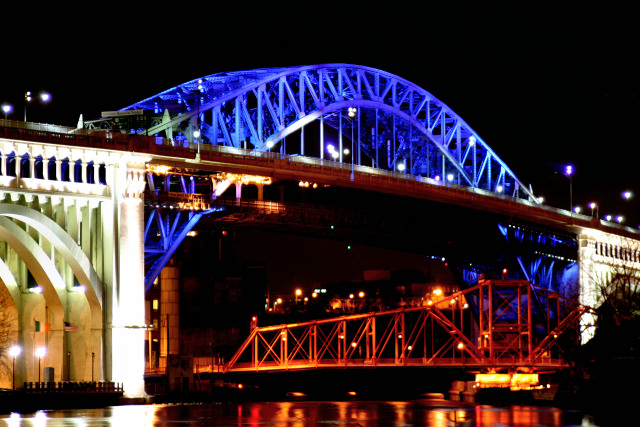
(397, 121)
(171, 238)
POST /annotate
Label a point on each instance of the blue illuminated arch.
(257, 109)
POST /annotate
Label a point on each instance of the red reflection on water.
(518, 416)
(424, 412)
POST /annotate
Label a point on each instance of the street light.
(594, 205)
(44, 97)
(6, 109)
(40, 352)
(568, 171)
(332, 150)
(14, 352)
(352, 113)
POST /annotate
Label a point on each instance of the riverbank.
(26, 402)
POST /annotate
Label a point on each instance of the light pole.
(44, 97)
(352, 114)
(40, 352)
(14, 351)
(568, 171)
(197, 134)
(594, 205)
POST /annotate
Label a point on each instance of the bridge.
(91, 216)
(494, 326)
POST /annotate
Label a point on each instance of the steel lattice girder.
(397, 121)
(492, 326)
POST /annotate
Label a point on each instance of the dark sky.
(543, 84)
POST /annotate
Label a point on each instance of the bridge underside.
(471, 241)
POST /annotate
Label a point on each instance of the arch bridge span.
(353, 114)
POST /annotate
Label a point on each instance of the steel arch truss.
(397, 125)
(494, 326)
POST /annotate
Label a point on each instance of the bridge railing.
(367, 177)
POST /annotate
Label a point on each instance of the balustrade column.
(3, 164)
(58, 169)
(83, 174)
(18, 162)
(32, 167)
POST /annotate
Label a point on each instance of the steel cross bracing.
(171, 216)
(543, 256)
(396, 126)
(495, 326)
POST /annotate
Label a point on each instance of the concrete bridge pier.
(72, 268)
(128, 318)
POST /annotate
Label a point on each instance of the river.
(419, 412)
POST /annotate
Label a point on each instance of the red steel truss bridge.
(495, 326)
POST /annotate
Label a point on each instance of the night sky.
(543, 84)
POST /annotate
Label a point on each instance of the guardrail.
(367, 177)
(73, 387)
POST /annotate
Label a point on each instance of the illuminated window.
(155, 305)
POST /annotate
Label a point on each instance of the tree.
(617, 284)
(8, 334)
(608, 366)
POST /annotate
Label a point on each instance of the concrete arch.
(49, 311)
(7, 280)
(64, 244)
(85, 309)
(10, 301)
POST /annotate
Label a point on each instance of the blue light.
(568, 170)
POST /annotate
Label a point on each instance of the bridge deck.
(205, 157)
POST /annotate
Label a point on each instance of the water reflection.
(437, 413)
